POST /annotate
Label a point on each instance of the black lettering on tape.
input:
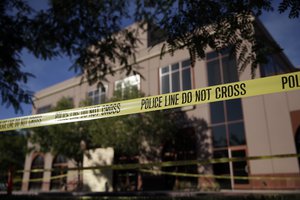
(290, 81)
(151, 102)
(202, 95)
(228, 91)
(171, 100)
(186, 97)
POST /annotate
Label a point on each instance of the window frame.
(125, 82)
(93, 91)
(170, 72)
(226, 122)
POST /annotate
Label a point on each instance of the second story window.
(131, 81)
(273, 67)
(97, 96)
(176, 77)
(43, 109)
(226, 116)
(128, 87)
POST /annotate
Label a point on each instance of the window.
(226, 116)
(97, 96)
(43, 109)
(227, 122)
(59, 173)
(176, 77)
(127, 86)
(36, 177)
(273, 67)
(131, 81)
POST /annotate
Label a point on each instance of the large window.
(36, 178)
(227, 122)
(97, 96)
(176, 77)
(226, 116)
(59, 173)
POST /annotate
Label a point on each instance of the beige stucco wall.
(269, 132)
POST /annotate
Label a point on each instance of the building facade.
(265, 125)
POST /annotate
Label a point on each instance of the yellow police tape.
(158, 172)
(142, 168)
(19, 180)
(273, 84)
(167, 163)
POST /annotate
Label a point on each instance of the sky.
(284, 30)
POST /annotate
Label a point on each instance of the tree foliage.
(86, 32)
(64, 139)
(13, 148)
(133, 135)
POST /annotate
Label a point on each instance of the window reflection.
(234, 109)
(217, 112)
(219, 136)
(214, 73)
(236, 134)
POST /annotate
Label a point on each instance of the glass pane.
(165, 69)
(236, 134)
(186, 63)
(222, 169)
(219, 136)
(96, 93)
(175, 67)
(102, 98)
(217, 112)
(214, 74)
(90, 94)
(212, 55)
(96, 100)
(240, 168)
(132, 80)
(234, 109)
(229, 70)
(37, 163)
(186, 79)
(175, 82)
(165, 84)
